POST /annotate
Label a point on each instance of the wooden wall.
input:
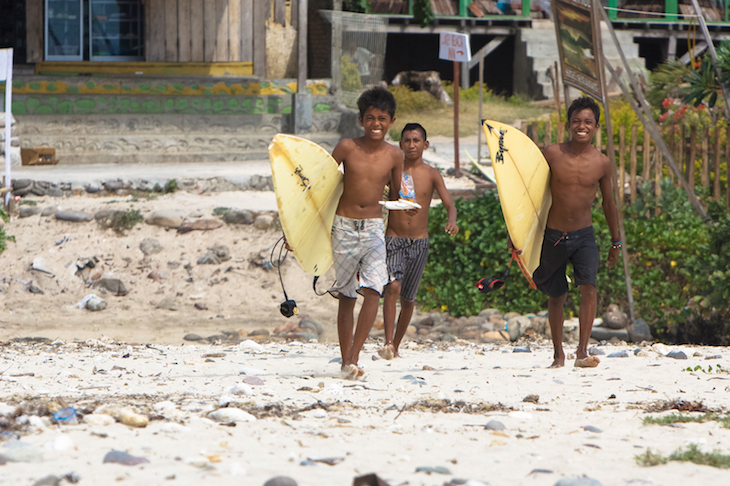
(206, 30)
(191, 30)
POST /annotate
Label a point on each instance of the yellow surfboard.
(523, 183)
(308, 185)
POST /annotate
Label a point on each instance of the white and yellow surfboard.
(308, 185)
(523, 180)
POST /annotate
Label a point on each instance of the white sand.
(305, 410)
(361, 422)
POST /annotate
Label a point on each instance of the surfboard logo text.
(500, 154)
(304, 179)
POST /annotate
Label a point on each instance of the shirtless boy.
(358, 244)
(577, 171)
(406, 238)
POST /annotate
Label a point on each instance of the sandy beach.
(244, 411)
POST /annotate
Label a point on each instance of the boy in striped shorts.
(406, 238)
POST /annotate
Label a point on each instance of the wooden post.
(548, 140)
(632, 167)
(246, 30)
(523, 127)
(692, 157)
(599, 140)
(646, 157)
(479, 121)
(716, 166)
(727, 167)
(680, 149)
(621, 166)
(533, 133)
(658, 182)
(34, 30)
(456, 118)
(704, 172)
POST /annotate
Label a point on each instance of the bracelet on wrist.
(616, 244)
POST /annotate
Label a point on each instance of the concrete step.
(153, 138)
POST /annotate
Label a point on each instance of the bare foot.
(351, 372)
(387, 352)
(558, 363)
(589, 362)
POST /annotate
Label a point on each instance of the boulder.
(613, 318)
(639, 331)
(238, 216)
(167, 218)
(74, 216)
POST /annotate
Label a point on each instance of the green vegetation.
(123, 221)
(690, 454)
(438, 118)
(4, 238)
(351, 80)
(670, 257)
(170, 186)
(718, 369)
(27, 202)
(674, 418)
(221, 211)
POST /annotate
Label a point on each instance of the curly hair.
(377, 97)
(580, 104)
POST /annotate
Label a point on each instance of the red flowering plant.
(674, 112)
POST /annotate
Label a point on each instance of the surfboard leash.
(288, 308)
(486, 285)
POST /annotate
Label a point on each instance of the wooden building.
(229, 33)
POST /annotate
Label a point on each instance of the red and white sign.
(454, 47)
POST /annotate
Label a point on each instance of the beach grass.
(691, 454)
(674, 418)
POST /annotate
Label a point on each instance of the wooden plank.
(716, 165)
(156, 46)
(261, 13)
(704, 172)
(209, 30)
(234, 30)
(197, 31)
(632, 166)
(183, 30)
(33, 31)
(523, 127)
(247, 30)
(280, 12)
(294, 6)
(561, 132)
(221, 37)
(171, 31)
(692, 157)
(621, 165)
(548, 134)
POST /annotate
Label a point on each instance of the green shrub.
(4, 238)
(122, 221)
(670, 255)
(409, 101)
(478, 250)
(351, 80)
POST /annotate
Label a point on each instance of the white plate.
(400, 204)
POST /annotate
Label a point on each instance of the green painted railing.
(671, 12)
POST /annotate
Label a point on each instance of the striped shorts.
(406, 258)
